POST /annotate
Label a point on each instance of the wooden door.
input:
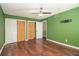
(31, 30)
(20, 30)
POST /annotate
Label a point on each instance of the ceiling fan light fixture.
(40, 14)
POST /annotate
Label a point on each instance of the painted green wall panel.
(64, 31)
(2, 28)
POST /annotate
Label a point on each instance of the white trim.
(9, 25)
(4, 45)
(46, 27)
(25, 30)
(39, 30)
(31, 21)
(2, 48)
(26, 40)
(16, 28)
(63, 44)
(20, 20)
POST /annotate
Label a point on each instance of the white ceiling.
(25, 9)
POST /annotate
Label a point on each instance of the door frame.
(28, 29)
(25, 27)
(46, 27)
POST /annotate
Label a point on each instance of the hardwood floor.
(37, 48)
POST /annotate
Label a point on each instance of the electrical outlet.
(66, 40)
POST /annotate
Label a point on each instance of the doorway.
(36, 30)
(44, 30)
(39, 30)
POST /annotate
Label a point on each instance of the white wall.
(10, 30)
(39, 30)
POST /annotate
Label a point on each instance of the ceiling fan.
(41, 12)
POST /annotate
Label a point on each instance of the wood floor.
(37, 48)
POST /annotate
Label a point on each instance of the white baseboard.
(6, 44)
(2, 48)
(74, 47)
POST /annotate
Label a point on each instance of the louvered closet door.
(20, 30)
(31, 30)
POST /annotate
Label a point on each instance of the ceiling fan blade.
(35, 13)
(46, 12)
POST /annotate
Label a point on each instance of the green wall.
(64, 31)
(2, 28)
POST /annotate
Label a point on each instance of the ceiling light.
(40, 14)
